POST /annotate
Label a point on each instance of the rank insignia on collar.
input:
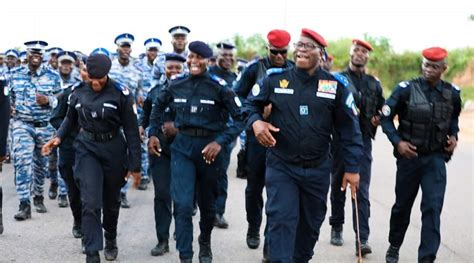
(284, 83)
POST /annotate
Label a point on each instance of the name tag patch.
(327, 89)
(209, 102)
(284, 91)
(178, 100)
(304, 110)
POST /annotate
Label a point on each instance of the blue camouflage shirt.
(146, 68)
(128, 75)
(23, 86)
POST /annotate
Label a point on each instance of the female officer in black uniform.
(101, 107)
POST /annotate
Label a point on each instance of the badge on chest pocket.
(194, 109)
(94, 114)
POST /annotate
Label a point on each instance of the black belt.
(37, 124)
(99, 137)
(196, 132)
(309, 163)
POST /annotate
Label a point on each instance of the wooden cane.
(359, 260)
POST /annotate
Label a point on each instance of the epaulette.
(456, 87)
(404, 84)
(121, 87)
(178, 76)
(76, 85)
(272, 71)
(341, 78)
(215, 78)
(251, 63)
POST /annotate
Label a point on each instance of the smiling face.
(196, 64)
(172, 68)
(308, 54)
(34, 59)
(179, 42)
(225, 59)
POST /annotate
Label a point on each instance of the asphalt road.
(47, 237)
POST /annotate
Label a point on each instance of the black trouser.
(338, 197)
(161, 175)
(100, 170)
(255, 181)
(67, 155)
(191, 174)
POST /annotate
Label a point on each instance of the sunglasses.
(278, 51)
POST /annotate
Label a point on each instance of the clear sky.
(86, 24)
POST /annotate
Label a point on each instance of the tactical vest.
(366, 101)
(426, 124)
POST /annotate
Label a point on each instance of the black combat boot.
(24, 212)
(161, 248)
(1, 215)
(110, 249)
(77, 230)
(365, 248)
(336, 235)
(53, 191)
(205, 253)
(92, 257)
(143, 184)
(124, 201)
(253, 237)
(38, 203)
(62, 201)
(220, 222)
(392, 254)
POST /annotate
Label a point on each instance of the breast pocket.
(108, 110)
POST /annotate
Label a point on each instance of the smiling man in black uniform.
(101, 107)
(309, 105)
(200, 101)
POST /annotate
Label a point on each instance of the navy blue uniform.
(4, 121)
(160, 166)
(255, 153)
(427, 115)
(368, 96)
(200, 103)
(101, 154)
(230, 78)
(67, 154)
(306, 109)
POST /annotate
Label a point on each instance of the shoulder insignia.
(272, 71)
(456, 87)
(339, 77)
(251, 63)
(178, 76)
(404, 84)
(221, 81)
(121, 87)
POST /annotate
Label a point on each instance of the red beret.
(435, 53)
(314, 36)
(279, 38)
(363, 43)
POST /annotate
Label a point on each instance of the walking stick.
(359, 260)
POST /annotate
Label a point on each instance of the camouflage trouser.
(53, 172)
(29, 164)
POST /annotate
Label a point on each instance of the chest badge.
(94, 114)
(304, 110)
(284, 83)
(194, 109)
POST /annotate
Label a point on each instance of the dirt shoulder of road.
(466, 126)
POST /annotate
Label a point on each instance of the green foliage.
(249, 47)
(391, 67)
(467, 93)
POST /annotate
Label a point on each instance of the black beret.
(201, 49)
(98, 66)
(174, 57)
